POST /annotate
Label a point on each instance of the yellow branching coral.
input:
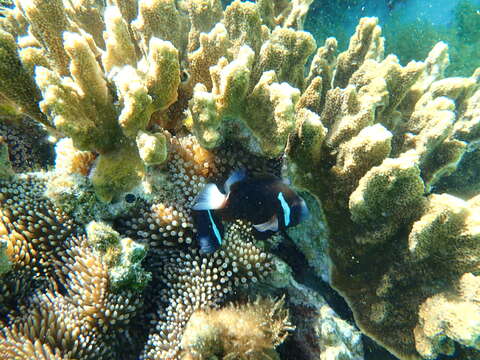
(15, 83)
(447, 318)
(120, 49)
(88, 15)
(248, 78)
(75, 77)
(161, 19)
(102, 90)
(367, 43)
(382, 138)
(48, 21)
(204, 15)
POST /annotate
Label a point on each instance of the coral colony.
(147, 102)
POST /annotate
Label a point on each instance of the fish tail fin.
(210, 198)
(208, 245)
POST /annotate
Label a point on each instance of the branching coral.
(381, 143)
(78, 99)
(107, 93)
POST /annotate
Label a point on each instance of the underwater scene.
(251, 180)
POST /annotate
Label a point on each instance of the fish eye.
(184, 76)
(130, 198)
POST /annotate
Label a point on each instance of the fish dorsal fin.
(270, 225)
(235, 176)
(210, 198)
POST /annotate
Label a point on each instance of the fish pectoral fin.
(286, 181)
(209, 199)
(270, 225)
(235, 176)
(304, 212)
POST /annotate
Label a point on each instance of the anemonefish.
(265, 201)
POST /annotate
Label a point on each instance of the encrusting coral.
(156, 98)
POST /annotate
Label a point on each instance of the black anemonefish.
(266, 201)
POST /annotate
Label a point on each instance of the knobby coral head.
(148, 101)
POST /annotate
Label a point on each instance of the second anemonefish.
(266, 201)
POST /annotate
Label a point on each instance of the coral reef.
(373, 157)
(246, 331)
(69, 308)
(194, 282)
(77, 324)
(147, 102)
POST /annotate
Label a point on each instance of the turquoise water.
(411, 27)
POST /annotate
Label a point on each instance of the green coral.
(123, 256)
(6, 169)
(5, 264)
(128, 273)
(117, 172)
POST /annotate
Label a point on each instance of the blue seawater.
(411, 27)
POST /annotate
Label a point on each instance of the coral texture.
(249, 331)
(385, 137)
(150, 100)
